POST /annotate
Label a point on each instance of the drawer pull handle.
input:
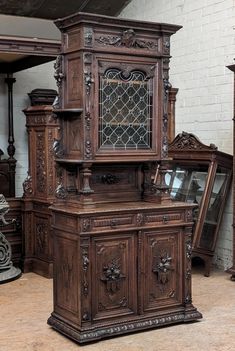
(165, 219)
(113, 223)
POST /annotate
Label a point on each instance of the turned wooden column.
(11, 148)
(171, 113)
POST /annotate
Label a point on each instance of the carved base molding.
(136, 324)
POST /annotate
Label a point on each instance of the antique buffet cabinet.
(122, 249)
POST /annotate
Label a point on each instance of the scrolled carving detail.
(59, 77)
(88, 37)
(57, 148)
(86, 224)
(188, 249)
(188, 141)
(61, 192)
(88, 150)
(88, 81)
(166, 45)
(110, 179)
(85, 264)
(127, 39)
(58, 74)
(140, 219)
(28, 186)
(188, 299)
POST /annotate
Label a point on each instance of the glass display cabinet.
(202, 175)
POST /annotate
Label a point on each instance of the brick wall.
(201, 50)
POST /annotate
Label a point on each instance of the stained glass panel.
(125, 120)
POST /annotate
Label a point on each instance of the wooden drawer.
(101, 223)
(168, 218)
(131, 220)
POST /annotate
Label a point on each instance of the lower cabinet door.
(114, 287)
(162, 269)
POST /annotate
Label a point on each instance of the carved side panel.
(42, 237)
(66, 275)
(114, 276)
(41, 171)
(73, 84)
(73, 41)
(51, 164)
(162, 269)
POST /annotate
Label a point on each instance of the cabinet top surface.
(122, 207)
(89, 18)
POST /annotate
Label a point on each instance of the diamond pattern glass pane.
(125, 108)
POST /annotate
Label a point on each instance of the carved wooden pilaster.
(171, 113)
(59, 77)
(166, 90)
(86, 282)
(88, 81)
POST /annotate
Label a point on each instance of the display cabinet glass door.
(205, 185)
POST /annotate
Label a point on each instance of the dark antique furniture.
(200, 174)
(231, 270)
(16, 54)
(7, 176)
(122, 248)
(40, 185)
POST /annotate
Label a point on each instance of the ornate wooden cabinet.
(39, 190)
(122, 249)
(201, 174)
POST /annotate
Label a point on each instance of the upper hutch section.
(113, 85)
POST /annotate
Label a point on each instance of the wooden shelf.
(68, 111)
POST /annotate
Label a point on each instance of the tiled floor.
(26, 303)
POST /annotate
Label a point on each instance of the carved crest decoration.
(188, 141)
(128, 39)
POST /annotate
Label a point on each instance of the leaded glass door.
(125, 114)
(127, 110)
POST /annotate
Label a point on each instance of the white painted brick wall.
(201, 50)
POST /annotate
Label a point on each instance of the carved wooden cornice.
(18, 53)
